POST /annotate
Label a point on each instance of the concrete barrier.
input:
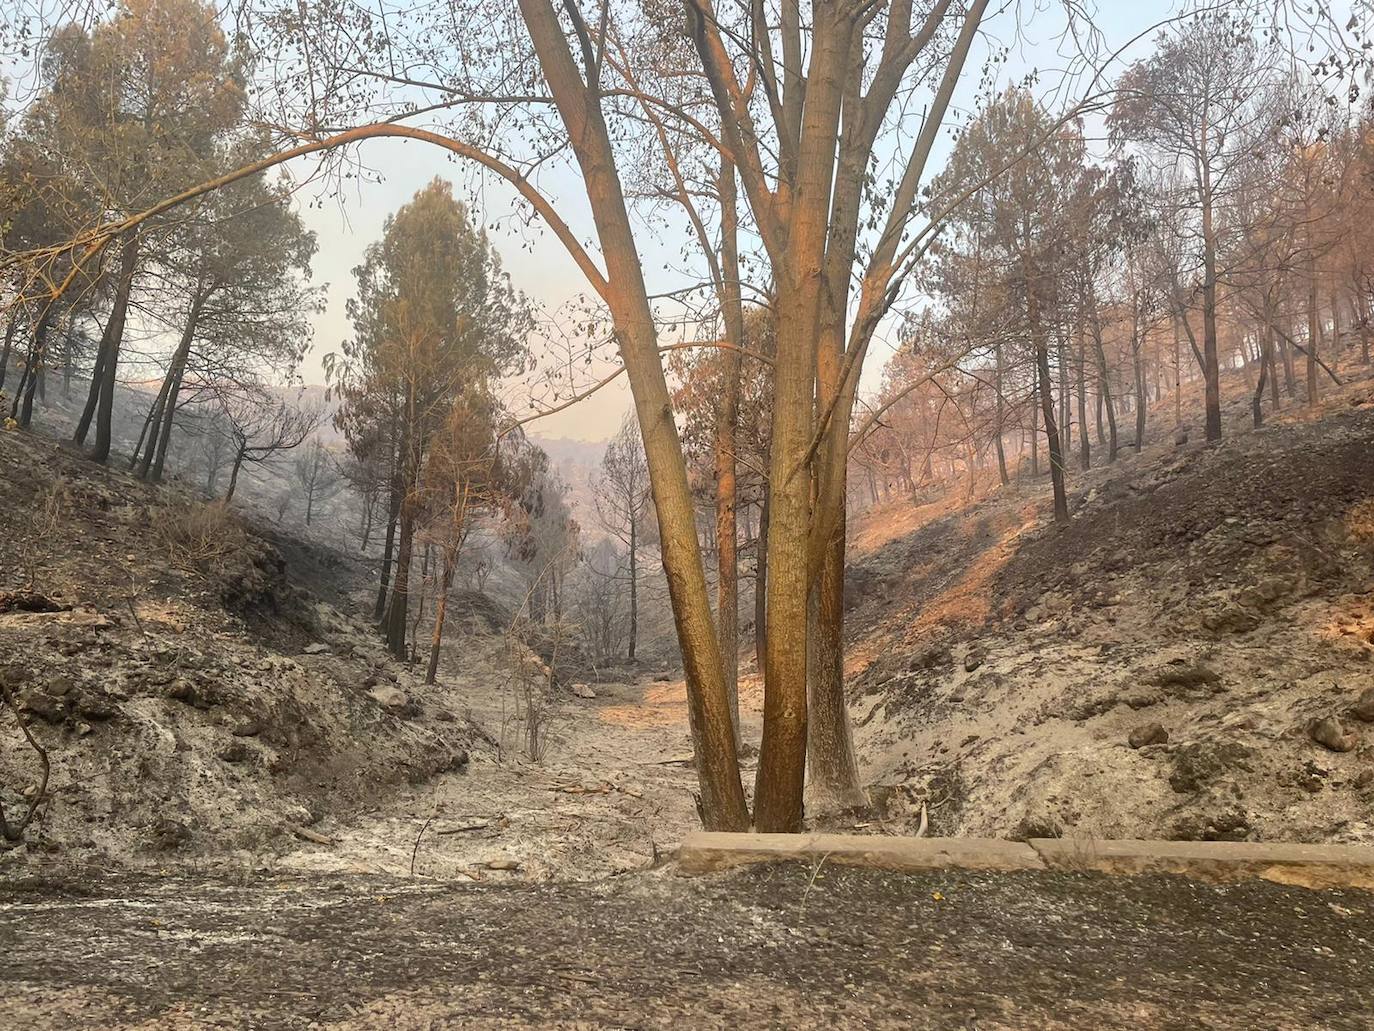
(1312, 866)
(704, 851)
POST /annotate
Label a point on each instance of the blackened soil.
(770, 947)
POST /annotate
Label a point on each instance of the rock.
(60, 686)
(234, 752)
(1148, 734)
(1231, 619)
(1228, 824)
(392, 699)
(84, 729)
(96, 707)
(169, 834)
(249, 728)
(583, 691)
(930, 659)
(46, 707)
(1330, 733)
(972, 661)
(1199, 763)
(1363, 710)
(502, 862)
(316, 648)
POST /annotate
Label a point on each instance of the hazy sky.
(539, 265)
(543, 269)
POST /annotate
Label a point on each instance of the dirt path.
(781, 947)
(612, 792)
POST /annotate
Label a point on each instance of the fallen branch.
(465, 827)
(15, 832)
(307, 834)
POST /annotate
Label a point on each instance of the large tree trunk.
(114, 331)
(833, 772)
(722, 794)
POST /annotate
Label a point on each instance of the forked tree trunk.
(234, 476)
(177, 373)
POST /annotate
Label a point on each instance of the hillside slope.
(194, 691)
(1000, 665)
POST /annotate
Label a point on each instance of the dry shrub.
(1359, 522)
(49, 512)
(202, 534)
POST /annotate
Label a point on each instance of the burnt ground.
(785, 946)
(1221, 595)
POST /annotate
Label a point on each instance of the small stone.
(46, 707)
(502, 862)
(95, 707)
(316, 648)
(234, 752)
(1330, 733)
(1363, 710)
(392, 699)
(169, 834)
(1148, 734)
(84, 729)
(972, 661)
(60, 686)
(583, 691)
